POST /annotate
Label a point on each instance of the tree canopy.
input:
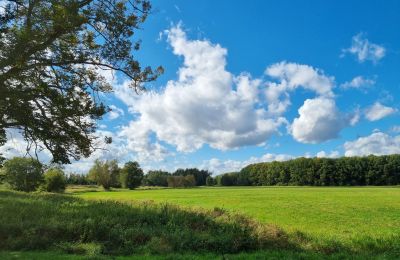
(53, 55)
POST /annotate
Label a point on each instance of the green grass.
(278, 223)
(353, 216)
(73, 225)
(272, 254)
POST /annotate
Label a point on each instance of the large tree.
(52, 57)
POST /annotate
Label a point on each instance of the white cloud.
(319, 121)
(292, 76)
(378, 111)
(206, 105)
(377, 143)
(115, 112)
(364, 49)
(17, 146)
(217, 166)
(358, 82)
(395, 129)
(332, 154)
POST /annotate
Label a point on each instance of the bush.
(131, 175)
(54, 180)
(23, 174)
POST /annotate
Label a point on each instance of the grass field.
(351, 216)
(307, 223)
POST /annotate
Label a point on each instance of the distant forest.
(344, 171)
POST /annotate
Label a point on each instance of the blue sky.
(258, 81)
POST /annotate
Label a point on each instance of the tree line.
(344, 171)
(28, 174)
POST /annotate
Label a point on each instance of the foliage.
(54, 180)
(54, 58)
(345, 171)
(23, 174)
(210, 181)
(105, 173)
(79, 179)
(199, 175)
(57, 221)
(156, 178)
(227, 179)
(181, 181)
(131, 175)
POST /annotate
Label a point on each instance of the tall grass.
(59, 222)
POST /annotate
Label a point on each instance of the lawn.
(349, 215)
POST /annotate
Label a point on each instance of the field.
(295, 223)
(345, 214)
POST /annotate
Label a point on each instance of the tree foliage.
(345, 171)
(53, 57)
(131, 175)
(181, 181)
(105, 173)
(199, 175)
(23, 174)
(156, 178)
(54, 180)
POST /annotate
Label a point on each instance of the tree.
(23, 174)
(210, 181)
(131, 175)
(156, 178)
(53, 57)
(54, 180)
(105, 173)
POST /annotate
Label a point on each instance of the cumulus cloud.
(291, 76)
(364, 50)
(358, 82)
(332, 154)
(205, 105)
(377, 143)
(115, 112)
(217, 166)
(378, 111)
(319, 120)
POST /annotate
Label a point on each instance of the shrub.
(23, 174)
(131, 175)
(54, 180)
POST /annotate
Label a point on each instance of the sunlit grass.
(350, 215)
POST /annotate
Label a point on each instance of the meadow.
(202, 223)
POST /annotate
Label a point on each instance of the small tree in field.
(54, 180)
(105, 173)
(131, 175)
(23, 174)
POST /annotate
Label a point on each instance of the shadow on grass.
(93, 228)
(50, 221)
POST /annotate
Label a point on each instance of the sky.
(256, 81)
